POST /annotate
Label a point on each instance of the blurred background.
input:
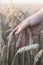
(13, 12)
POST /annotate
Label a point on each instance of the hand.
(30, 21)
(35, 23)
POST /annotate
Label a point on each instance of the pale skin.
(33, 20)
(30, 21)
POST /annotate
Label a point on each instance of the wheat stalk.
(38, 56)
(4, 54)
(10, 38)
(25, 48)
(30, 41)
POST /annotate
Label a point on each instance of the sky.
(23, 1)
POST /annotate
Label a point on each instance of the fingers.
(18, 30)
(15, 29)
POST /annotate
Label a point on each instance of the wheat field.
(30, 53)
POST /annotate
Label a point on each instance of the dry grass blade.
(38, 56)
(9, 30)
(10, 38)
(7, 20)
(30, 41)
(25, 48)
(4, 54)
